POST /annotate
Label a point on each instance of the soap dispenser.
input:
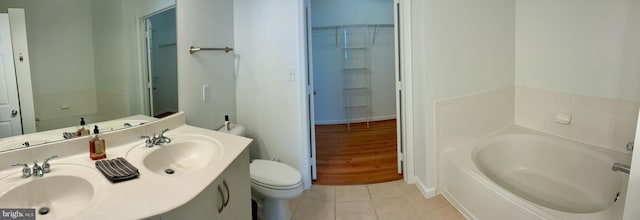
(97, 147)
(82, 130)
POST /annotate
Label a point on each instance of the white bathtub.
(522, 174)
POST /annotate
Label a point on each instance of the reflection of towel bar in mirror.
(193, 49)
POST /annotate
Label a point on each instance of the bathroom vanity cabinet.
(210, 204)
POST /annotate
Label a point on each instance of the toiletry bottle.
(227, 124)
(82, 131)
(97, 147)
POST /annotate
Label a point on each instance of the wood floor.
(358, 156)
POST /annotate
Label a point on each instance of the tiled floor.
(391, 200)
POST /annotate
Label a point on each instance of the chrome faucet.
(161, 138)
(621, 167)
(26, 144)
(630, 146)
(26, 171)
(37, 170)
(156, 140)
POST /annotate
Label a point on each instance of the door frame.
(310, 90)
(406, 63)
(406, 103)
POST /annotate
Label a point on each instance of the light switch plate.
(205, 92)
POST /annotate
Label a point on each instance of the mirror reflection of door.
(162, 63)
(10, 123)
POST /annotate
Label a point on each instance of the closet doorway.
(162, 67)
(353, 66)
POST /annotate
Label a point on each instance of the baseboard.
(377, 118)
(426, 192)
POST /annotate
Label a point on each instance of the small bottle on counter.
(82, 131)
(97, 147)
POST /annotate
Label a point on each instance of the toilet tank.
(236, 129)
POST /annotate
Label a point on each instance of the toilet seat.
(274, 175)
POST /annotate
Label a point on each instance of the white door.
(631, 210)
(399, 91)
(10, 121)
(310, 94)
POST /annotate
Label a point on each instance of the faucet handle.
(46, 167)
(26, 171)
(19, 164)
(37, 170)
(51, 157)
(630, 146)
(148, 142)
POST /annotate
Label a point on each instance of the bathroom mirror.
(101, 60)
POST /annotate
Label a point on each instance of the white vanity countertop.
(148, 195)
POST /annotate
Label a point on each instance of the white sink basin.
(185, 154)
(66, 191)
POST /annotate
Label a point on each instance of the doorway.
(352, 73)
(162, 68)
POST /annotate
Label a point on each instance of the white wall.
(468, 47)
(423, 129)
(338, 12)
(269, 39)
(581, 57)
(110, 58)
(206, 23)
(579, 47)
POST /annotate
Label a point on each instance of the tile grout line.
(372, 204)
(335, 203)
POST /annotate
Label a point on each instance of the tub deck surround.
(151, 193)
(517, 173)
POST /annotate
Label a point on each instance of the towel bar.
(193, 49)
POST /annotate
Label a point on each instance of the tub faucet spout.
(621, 167)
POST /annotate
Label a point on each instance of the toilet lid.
(271, 173)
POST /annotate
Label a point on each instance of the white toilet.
(272, 182)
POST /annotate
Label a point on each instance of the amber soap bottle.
(82, 130)
(97, 147)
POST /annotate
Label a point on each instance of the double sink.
(74, 182)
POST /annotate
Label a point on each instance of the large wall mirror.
(100, 60)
